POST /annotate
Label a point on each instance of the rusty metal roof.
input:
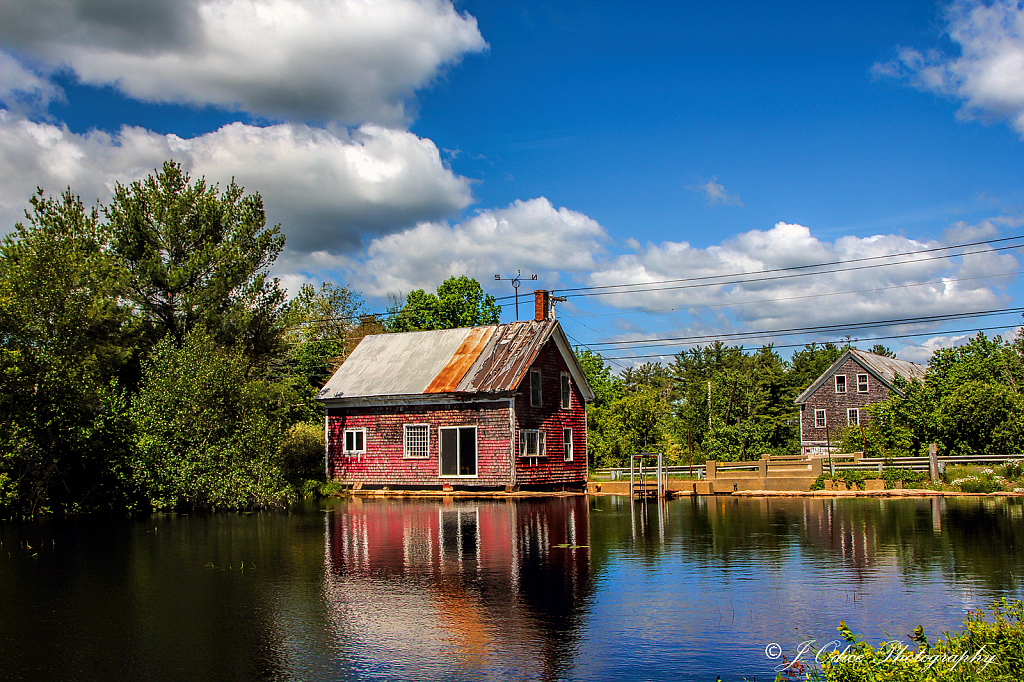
(463, 362)
(883, 368)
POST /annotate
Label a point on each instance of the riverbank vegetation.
(987, 649)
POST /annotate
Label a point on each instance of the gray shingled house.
(838, 397)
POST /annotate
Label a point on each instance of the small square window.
(840, 383)
(532, 443)
(862, 383)
(567, 444)
(566, 391)
(819, 419)
(417, 441)
(853, 416)
(355, 441)
(535, 394)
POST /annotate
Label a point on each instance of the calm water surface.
(544, 588)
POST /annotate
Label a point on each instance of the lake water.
(570, 588)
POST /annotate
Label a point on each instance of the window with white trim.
(417, 441)
(819, 419)
(862, 383)
(535, 393)
(852, 416)
(567, 444)
(354, 442)
(566, 391)
(457, 451)
(532, 443)
(840, 383)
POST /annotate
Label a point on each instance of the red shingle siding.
(836, 404)
(551, 418)
(384, 462)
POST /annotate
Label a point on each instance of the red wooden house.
(500, 406)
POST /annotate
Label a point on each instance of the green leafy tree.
(635, 421)
(603, 445)
(322, 327)
(980, 418)
(64, 339)
(207, 433)
(459, 302)
(195, 256)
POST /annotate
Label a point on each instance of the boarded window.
(417, 440)
(567, 444)
(862, 383)
(566, 391)
(535, 394)
(458, 451)
(853, 416)
(840, 383)
(355, 441)
(819, 419)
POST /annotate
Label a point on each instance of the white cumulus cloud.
(855, 292)
(532, 236)
(351, 61)
(329, 189)
(987, 75)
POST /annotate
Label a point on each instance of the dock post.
(933, 461)
(632, 487)
(661, 489)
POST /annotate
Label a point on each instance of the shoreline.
(500, 494)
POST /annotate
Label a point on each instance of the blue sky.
(591, 143)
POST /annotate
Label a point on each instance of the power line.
(837, 342)
(793, 268)
(795, 298)
(679, 340)
(779, 277)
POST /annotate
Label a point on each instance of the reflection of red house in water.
(484, 583)
(493, 406)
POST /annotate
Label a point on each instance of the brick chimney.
(541, 305)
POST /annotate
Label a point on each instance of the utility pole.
(709, 404)
(515, 285)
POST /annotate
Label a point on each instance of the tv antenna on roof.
(515, 285)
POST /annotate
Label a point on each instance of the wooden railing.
(796, 463)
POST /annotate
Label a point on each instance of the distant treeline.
(970, 403)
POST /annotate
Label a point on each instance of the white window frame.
(355, 450)
(822, 422)
(566, 391)
(540, 439)
(567, 444)
(536, 392)
(867, 386)
(855, 413)
(837, 378)
(458, 444)
(406, 449)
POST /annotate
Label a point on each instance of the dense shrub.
(206, 436)
(302, 451)
(984, 651)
